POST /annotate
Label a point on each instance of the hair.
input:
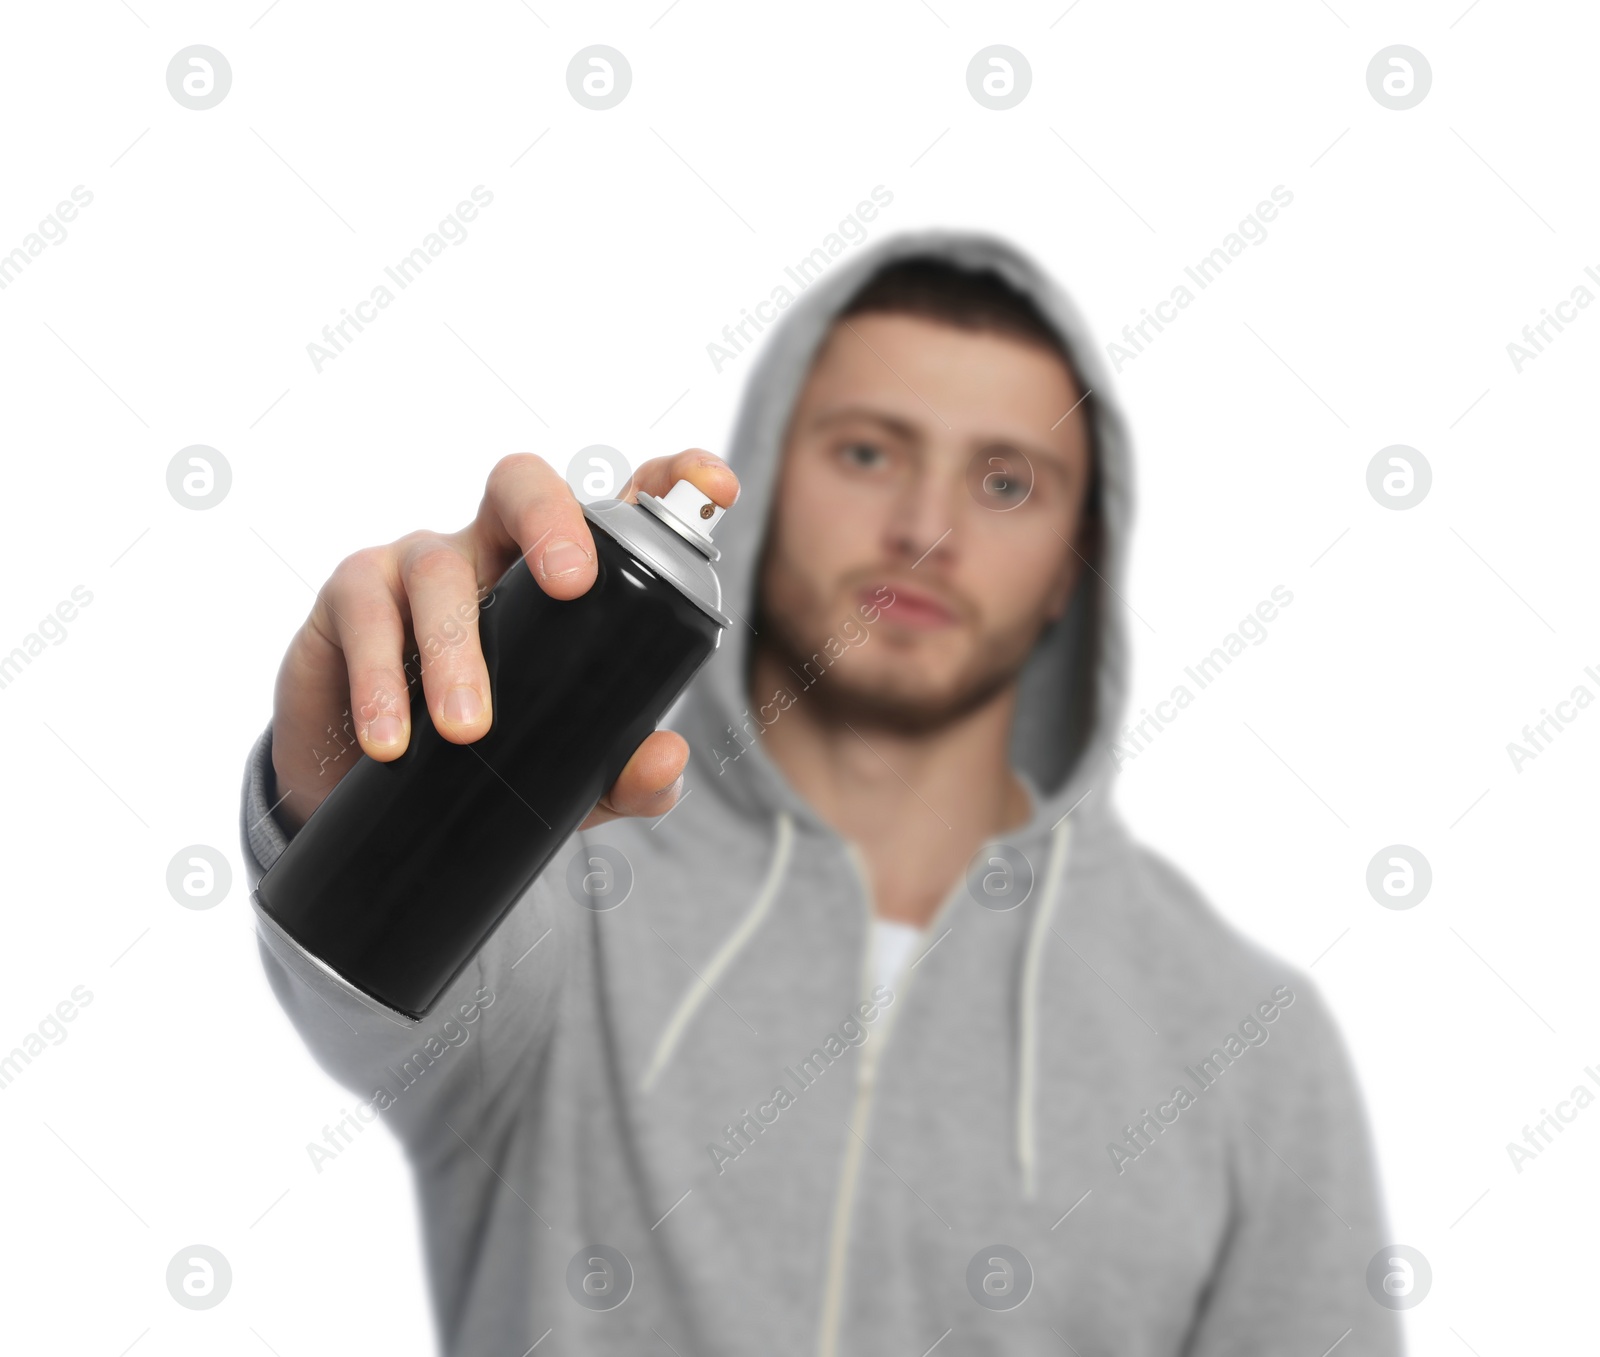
(973, 299)
(979, 299)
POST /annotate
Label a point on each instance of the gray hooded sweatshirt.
(1088, 1117)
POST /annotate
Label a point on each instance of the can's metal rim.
(699, 541)
(692, 576)
(290, 952)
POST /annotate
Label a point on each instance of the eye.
(862, 455)
(1002, 483)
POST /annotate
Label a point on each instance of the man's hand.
(341, 689)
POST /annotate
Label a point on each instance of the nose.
(922, 525)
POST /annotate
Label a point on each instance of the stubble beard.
(891, 699)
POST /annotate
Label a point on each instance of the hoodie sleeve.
(455, 1068)
(1307, 1216)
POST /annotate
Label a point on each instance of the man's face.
(939, 466)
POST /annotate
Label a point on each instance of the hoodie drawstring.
(1028, 1006)
(1028, 1000)
(702, 985)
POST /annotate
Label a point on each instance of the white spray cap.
(697, 511)
(688, 513)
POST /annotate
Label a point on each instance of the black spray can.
(400, 875)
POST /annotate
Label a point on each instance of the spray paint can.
(397, 879)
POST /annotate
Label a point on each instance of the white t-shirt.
(892, 945)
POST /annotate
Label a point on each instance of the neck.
(918, 805)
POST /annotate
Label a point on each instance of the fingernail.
(718, 462)
(462, 705)
(562, 557)
(672, 790)
(386, 730)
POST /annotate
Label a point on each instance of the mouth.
(913, 608)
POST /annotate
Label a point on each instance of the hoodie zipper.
(861, 1111)
(872, 1052)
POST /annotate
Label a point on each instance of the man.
(896, 1036)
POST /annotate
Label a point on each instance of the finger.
(651, 783)
(710, 474)
(359, 613)
(528, 509)
(441, 587)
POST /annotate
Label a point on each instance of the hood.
(1073, 687)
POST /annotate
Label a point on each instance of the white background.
(578, 311)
